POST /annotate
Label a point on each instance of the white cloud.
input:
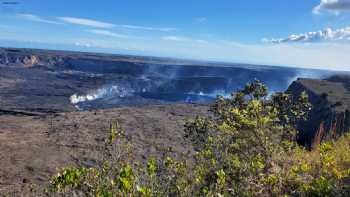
(86, 22)
(105, 25)
(92, 23)
(82, 44)
(165, 29)
(334, 6)
(202, 41)
(175, 38)
(327, 35)
(107, 33)
(184, 40)
(31, 17)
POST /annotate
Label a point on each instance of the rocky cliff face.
(26, 58)
(330, 116)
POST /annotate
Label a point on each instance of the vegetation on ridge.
(246, 148)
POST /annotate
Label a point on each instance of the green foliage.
(323, 171)
(70, 177)
(320, 187)
(197, 130)
(114, 132)
(247, 148)
(151, 167)
(126, 179)
(144, 191)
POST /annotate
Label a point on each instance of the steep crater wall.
(330, 115)
(44, 80)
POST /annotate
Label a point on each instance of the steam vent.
(330, 115)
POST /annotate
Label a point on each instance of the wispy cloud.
(201, 19)
(92, 23)
(327, 35)
(82, 44)
(106, 25)
(103, 45)
(334, 6)
(183, 39)
(35, 18)
(175, 38)
(86, 22)
(107, 33)
(165, 29)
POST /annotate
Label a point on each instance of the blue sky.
(312, 33)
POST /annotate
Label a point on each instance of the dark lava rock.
(330, 115)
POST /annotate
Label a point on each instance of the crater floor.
(33, 146)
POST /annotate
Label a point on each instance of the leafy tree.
(240, 142)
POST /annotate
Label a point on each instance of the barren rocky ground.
(34, 146)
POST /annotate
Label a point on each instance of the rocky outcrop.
(26, 60)
(330, 115)
(31, 58)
